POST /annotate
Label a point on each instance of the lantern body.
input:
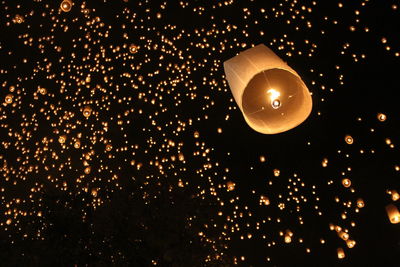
(393, 213)
(270, 94)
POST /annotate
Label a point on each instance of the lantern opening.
(275, 99)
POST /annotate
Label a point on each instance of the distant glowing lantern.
(108, 147)
(66, 5)
(393, 213)
(87, 111)
(381, 117)
(62, 139)
(288, 236)
(87, 170)
(360, 203)
(349, 140)
(350, 243)
(8, 99)
(343, 235)
(264, 200)
(395, 195)
(346, 182)
(77, 144)
(340, 253)
(270, 94)
(133, 48)
(42, 90)
(230, 186)
(18, 19)
(325, 162)
(277, 172)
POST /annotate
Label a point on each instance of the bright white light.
(274, 97)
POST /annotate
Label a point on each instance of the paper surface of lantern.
(270, 94)
(393, 213)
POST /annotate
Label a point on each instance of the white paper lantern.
(270, 94)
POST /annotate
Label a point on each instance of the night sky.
(122, 145)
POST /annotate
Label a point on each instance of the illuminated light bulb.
(393, 213)
(262, 158)
(8, 99)
(340, 253)
(350, 243)
(346, 182)
(66, 5)
(230, 186)
(196, 134)
(360, 203)
(87, 111)
(349, 139)
(381, 117)
(133, 49)
(277, 172)
(9, 221)
(270, 94)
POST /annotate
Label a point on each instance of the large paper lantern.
(270, 94)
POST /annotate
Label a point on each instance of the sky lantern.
(87, 111)
(66, 5)
(340, 253)
(270, 94)
(393, 213)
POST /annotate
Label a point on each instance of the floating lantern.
(8, 99)
(350, 243)
(395, 195)
(288, 236)
(264, 200)
(42, 90)
(349, 139)
(77, 144)
(108, 147)
(133, 48)
(343, 235)
(230, 186)
(360, 203)
(381, 117)
(87, 111)
(340, 253)
(346, 182)
(66, 5)
(62, 139)
(270, 94)
(393, 213)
